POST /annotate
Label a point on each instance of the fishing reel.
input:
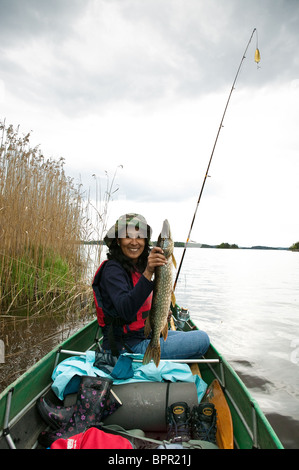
(183, 315)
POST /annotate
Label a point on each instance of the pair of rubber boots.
(199, 424)
(94, 402)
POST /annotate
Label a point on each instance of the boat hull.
(20, 423)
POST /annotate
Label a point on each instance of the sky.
(135, 90)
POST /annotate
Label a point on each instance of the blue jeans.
(179, 345)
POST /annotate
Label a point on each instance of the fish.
(163, 297)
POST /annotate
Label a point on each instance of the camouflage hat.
(132, 225)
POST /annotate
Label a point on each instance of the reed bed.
(43, 220)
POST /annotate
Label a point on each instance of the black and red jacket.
(123, 302)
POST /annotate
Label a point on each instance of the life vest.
(105, 319)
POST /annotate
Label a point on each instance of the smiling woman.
(132, 247)
(123, 291)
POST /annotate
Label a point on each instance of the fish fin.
(147, 327)
(173, 299)
(165, 332)
(152, 352)
(173, 260)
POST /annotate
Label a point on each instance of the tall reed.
(41, 220)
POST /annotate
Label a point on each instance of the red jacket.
(133, 307)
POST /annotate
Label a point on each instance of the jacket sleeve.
(117, 288)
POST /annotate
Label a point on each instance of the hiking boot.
(178, 422)
(203, 422)
(87, 412)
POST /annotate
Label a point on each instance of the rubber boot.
(203, 422)
(87, 412)
(178, 422)
(54, 416)
(58, 415)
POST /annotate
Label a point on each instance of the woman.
(123, 287)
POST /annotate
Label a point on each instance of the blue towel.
(84, 365)
(123, 368)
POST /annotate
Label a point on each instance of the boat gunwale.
(48, 358)
(257, 412)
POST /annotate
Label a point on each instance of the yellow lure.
(257, 56)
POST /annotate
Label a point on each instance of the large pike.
(162, 297)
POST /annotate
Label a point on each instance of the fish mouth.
(165, 240)
(165, 232)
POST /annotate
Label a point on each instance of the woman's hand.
(155, 258)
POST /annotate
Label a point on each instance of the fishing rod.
(257, 59)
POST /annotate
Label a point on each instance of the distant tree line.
(295, 247)
(227, 245)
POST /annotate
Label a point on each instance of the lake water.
(248, 303)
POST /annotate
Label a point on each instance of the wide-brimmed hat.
(132, 225)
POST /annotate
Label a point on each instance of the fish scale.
(162, 297)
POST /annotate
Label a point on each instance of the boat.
(241, 424)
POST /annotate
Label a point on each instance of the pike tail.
(152, 352)
(147, 327)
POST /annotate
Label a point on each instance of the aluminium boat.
(241, 424)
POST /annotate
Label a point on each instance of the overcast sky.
(143, 84)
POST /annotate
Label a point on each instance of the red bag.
(93, 438)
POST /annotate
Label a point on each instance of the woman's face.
(132, 247)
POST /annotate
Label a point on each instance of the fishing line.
(257, 56)
(257, 59)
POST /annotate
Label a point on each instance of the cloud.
(81, 60)
(144, 84)
(34, 19)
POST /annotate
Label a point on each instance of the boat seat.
(144, 403)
